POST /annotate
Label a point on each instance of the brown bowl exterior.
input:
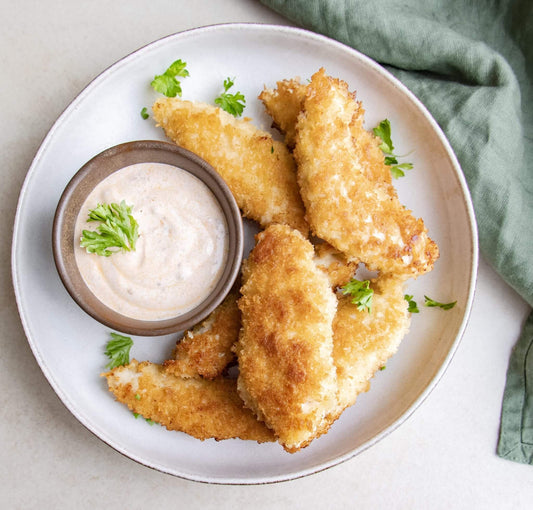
(84, 181)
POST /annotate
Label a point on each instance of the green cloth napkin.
(471, 63)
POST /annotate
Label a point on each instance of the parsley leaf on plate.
(118, 350)
(118, 229)
(413, 307)
(144, 113)
(231, 103)
(167, 83)
(397, 171)
(383, 131)
(432, 303)
(361, 293)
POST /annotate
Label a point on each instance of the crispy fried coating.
(258, 170)
(206, 349)
(286, 101)
(334, 264)
(287, 376)
(371, 157)
(343, 206)
(284, 104)
(363, 341)
(203, 409)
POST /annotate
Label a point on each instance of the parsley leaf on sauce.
(118, 229)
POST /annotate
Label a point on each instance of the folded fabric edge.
(515, 441)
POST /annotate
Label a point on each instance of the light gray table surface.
(443, 456)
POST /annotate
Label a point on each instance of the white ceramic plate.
(68, 344)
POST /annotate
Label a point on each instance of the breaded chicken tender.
(284, 104)
(343, 206)
(286, 101)
(287, 376)
(334, 264)
(258, 170)
(363, 342)
(203, 409)
(206, 349)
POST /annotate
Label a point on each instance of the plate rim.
(376, 67)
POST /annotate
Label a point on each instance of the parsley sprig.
(231, 103)
(361, 293)
(148, 420)
(432, 303)
(383, 131)
(118, 229)
(413, 307)
(167, 83)
(118, 350)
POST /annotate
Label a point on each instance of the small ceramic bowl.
(73, 197)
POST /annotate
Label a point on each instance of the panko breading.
(286, 101)
(258, 170)
(287, 376)
(334, 264)
(284, 104)
(203, 409)
(343, 206)
(206, 349)
(304, 352)
(363, 342)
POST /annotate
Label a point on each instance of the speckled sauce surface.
(179, 255)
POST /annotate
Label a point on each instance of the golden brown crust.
(304, 355)
(258, 170)
(371, 157)
(363, 341)
(284, 104)
(203, 409)
(334, 264)
(206, 349)
(343, 206)
(287, 376)
(286, 101)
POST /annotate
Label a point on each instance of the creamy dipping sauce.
(181, 250)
